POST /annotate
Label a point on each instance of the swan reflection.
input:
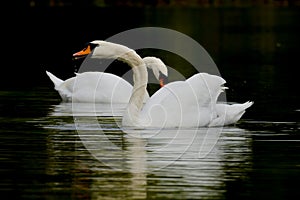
(189, 161)
(88, 109)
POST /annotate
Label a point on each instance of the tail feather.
(247, 104)
(56, 81)
(240, 109)
(230, 113)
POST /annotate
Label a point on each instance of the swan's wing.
(179, 93)
(206, 87)
(201, 89)
(184, 103)
(176, 104)
(98, 87)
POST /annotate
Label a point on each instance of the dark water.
(46, 153)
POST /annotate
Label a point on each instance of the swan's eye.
(93, 46)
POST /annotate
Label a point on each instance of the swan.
(189, 103)
(103, 87)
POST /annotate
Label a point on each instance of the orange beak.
(161, 82)
(83, 52)
(163, 79)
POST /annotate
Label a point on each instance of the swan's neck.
(140, 80)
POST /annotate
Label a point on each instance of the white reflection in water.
(196, 162)
(87, 109)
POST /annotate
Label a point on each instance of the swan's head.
(103, 50)
(85, 51)
(159, 69)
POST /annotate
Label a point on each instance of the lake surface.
(53, 150)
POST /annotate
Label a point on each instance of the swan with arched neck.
(190, 103)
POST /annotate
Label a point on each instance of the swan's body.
(101, 87)
(90, 87)
(190, 103)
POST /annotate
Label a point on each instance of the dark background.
(255, 45)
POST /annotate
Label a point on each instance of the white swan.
(101, 87)
(190, 103)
